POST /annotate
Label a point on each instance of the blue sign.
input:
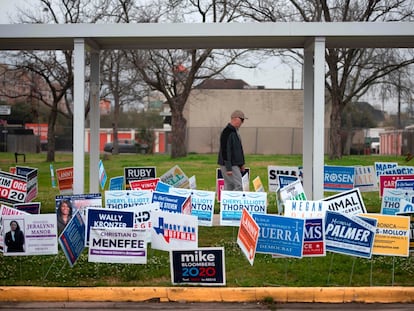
(349, 234)
(285, 180)
(407, 184)
(202, 204)
(170, 202)
(108, 218)
(72, 239)
(280, 235)
(162, 187)
(338, 178)
(116, 183)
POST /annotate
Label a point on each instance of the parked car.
(127, 146)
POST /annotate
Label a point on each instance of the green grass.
(332, 270)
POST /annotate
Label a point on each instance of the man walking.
(231, 155)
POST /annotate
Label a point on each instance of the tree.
(350, 72)
(174, 72)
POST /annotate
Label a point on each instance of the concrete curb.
(204, 294)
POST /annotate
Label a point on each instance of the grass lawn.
(331, 270)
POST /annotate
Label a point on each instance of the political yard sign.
(175, 177)
(349, 234)
(202, 204)
(107, 218)
(201, 266)
(248, 235)
(117, 245)
(391, 200)
(72, 239)
(293, 191)
(349, 202)
(365, 179)
(338, 178)
(14, 188)
(40, 234)
(173, 203)
(280, 235)
(274, 171)
(389, 181)
(127, 198)
(138, 173)
(233, 202)
(172, 231)
(306, 209)
(392, 237)
(314, 239)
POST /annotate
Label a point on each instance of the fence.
(256, 140)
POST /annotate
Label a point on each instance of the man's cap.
(238, 114)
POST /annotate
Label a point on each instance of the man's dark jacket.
(231, 149)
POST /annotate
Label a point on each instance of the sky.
(271, 74)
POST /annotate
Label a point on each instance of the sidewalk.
(210, 294)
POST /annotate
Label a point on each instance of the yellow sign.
(392, 235)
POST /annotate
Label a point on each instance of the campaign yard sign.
(349, 202)
(107, 218)
(201, 266)
(39, 234)
(80, 202)
(175, 177)
(391, 200)
(293, 191)
(392, 236)
(407, 184)
(31, 207)
(399, 170)
(389, 181)
(381, 167)
(145, 184)
(120, 199)
(349, 234)
(365, 178)
(116, 183)
(410, 215)
(138, 173)
(6, 211)
(173, 203)
(306, 209)
(258, 185)
(172, 231)
(13, 188)
(274, 171)
(162, 187)
(406, 207)
(338, 178)
(102, 174)
(285, 180)
(65, 180)
(117, 245)
(314, 239)
(248, 236)
(202, 204)
(72, 239)
(280, 235)
(32, 183)
(233, 202)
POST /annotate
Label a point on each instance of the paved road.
(112, 306)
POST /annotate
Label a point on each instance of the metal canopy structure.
(313, 38)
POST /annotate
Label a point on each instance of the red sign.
(248, 235)
(65, 179)
(388, 181)
(145, 184)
